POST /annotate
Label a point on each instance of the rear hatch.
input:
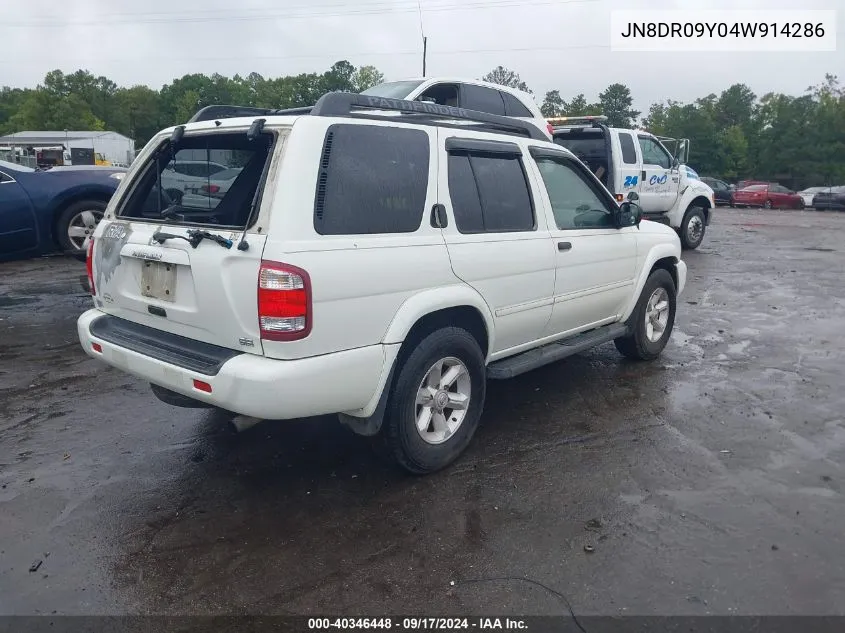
(185, 262)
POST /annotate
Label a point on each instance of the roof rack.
(347, 104)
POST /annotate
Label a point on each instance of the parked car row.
(754, 193)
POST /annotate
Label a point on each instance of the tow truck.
(635, 160)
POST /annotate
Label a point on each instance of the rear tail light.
(211, 188)
(89, 266)
(284, 302)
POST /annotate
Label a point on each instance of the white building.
(114, 147)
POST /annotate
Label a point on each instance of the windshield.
(4, 164)
(176, 185)
(393, 89)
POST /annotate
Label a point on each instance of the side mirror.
(633, 196)
(630, 214)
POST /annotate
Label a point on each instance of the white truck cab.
(628, 160)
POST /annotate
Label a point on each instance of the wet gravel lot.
(707, 482)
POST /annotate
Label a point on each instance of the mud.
(707, 482)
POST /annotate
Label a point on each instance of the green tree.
(553, 104)
(366, 77)
(616, 102)
(579, 106)
(505, 77)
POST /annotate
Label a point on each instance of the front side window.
(489, 193)
(373, 179)
(161, 195)
(575, 203)
(441, 94)
(654, 154)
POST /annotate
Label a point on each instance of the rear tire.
(693, 227)
(76, 225)
(419, 399)
(647, 342)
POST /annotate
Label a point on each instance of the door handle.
(564, 246)
(438, 216)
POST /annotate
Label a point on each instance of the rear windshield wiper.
(194, 237)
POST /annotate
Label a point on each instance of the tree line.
(83, 101)
(796, 140)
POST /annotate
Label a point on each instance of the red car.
(768, 196)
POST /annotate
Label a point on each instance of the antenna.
(422, 35)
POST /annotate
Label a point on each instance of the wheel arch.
(703, 203)
(58, 206)
(661, 256)
(418, 316)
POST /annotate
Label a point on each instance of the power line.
(287, 15)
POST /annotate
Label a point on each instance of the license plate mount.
(158, 280)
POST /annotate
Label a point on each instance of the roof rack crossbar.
(343, 104)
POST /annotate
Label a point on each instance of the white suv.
(470, 94)
(379, 266)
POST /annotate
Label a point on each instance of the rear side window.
(373, 179)
(482, 99)
(629, 153)
(514, 107)
(489, 193)
(160, 195)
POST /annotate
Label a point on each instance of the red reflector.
(89, 266)
(97, 348)
(199, 385)
(619, 197)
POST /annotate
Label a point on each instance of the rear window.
(373, 179)
(482, 99)
(514, 107)
(591, 146)
(629, 153)
(489, 193)
(162, 193)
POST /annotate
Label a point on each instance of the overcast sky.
(552, 44)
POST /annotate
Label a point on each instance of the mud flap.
(371, 425)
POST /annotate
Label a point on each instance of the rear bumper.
(257, 386)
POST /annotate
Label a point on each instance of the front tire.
(767, 204)
(76, 225)
(652, 320)
(693, 228)
(436, 402)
